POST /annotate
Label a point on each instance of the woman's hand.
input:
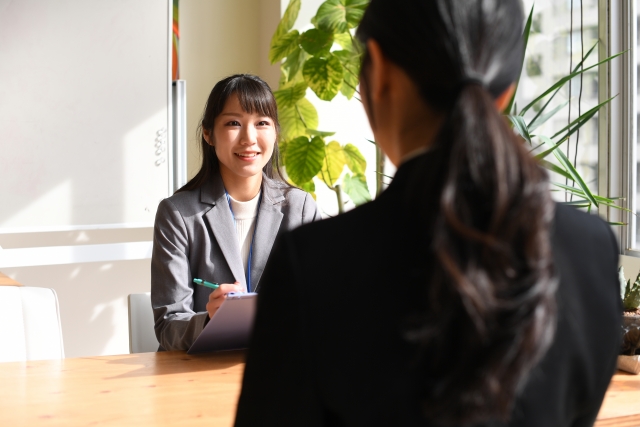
(217, 297)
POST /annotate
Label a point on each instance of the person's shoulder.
(583, 236)
(296, 195)
(572, 223)
(360, 220)
(291, 195)
(185, 202)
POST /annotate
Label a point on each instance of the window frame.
(617, 121)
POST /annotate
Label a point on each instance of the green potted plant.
(326, 60)
(529, 118)
(629, 359)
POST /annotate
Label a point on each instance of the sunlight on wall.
(144, 155)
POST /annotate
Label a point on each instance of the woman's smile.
(248, 156)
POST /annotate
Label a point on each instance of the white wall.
(219, 38)
(85, 91)
(92, 296)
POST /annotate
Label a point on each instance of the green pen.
(207, 284)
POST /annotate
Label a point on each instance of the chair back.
(29, 324)
(142, 336)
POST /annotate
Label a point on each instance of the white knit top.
(245, 214)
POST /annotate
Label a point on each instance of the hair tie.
(468, 81)
(472, 81)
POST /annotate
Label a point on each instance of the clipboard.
(230, 328)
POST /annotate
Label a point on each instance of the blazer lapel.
(267, 226)
(224, 230)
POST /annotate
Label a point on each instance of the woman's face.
(243, 141)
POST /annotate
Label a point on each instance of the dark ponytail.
(490, 298)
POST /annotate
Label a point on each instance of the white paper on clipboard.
(230, 328)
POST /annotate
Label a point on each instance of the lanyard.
(253, 237)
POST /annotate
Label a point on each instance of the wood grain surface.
(173, 389)
(621, 406)
(146, 389)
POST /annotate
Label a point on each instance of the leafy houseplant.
(325, 59)
(630, 351)
(542, 146)
(630, 293)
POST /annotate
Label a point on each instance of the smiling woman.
(243, 143)
(221, 225)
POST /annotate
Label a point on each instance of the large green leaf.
(351, 63)
(356, 188)
(324, 76)
(283, 46)
(345, 40)
(355, 160)
(321, 133)
(309, 187)
(288, 19)
(294, 63)
(338, 16)
(316, 42)
(289, 96)
(295, 120)
(282, 147)
(304, 159)
(333, 165)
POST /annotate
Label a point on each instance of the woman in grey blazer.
(221, 225)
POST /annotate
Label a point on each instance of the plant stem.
(380, 168)
(300, 115)
(339, 196)
(356, 90)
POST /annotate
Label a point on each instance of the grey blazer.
(194, 236)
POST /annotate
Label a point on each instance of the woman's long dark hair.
(254, 95)
(490, 296)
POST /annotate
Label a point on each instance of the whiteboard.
(84, 112)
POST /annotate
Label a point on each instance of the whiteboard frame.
(56, 255)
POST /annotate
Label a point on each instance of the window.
(562, 33)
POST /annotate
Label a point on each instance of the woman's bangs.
(256, 99)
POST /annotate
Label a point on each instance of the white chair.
(29, 324)
(142, 337)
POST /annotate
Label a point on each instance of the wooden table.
(621, 406)
(146, 389)
(173, 388)
(8, 281)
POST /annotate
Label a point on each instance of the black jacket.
(327, 348)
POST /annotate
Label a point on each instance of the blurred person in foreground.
(463, 295)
